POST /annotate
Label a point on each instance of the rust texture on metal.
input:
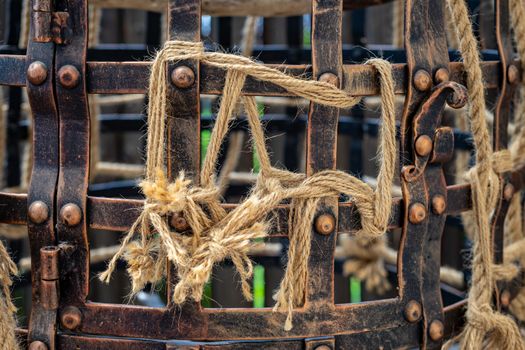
(325, 224)
(413, 311)
(70, 317)
(42, 189)
(183, 77)
(38, 212)
(37, 73)
(179, 223)
(441, 75)
(58, 211)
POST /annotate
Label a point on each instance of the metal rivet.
(422, 80)
(508, 192)
(70, 317)
(436, 330)
(423, 145)
(179, 223)
(329, 78)
(37, 73)
(438, 204)
(68, 76)
(413, 311)
(70, 214)
(513, 74)
(417, 213)
(38, 212)
(441, 75)
(37, 345)
(183, 77)
(504, 298)
(325, 224)
(323, 347)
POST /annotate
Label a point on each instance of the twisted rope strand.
(484, 325)
(217, 235)
(7, 308)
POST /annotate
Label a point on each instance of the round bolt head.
(436, 330)
(423, 145)
(179, 223)
(183, 77)
(504, 298)
(37, 345)
(70, 317)
(417, 213)
(413, 311)
(329, 78)
(513, 74)
(68, 76)
(439, 204)
(38, 212)
(70, 214)
(441, 75)
(422, 80)
(37, 73)
(323, 347)
(508, 191)
(325, 224)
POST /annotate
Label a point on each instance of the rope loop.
(217, 234)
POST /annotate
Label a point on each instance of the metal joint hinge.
(49, 26)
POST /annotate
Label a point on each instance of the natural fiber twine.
(217, 235)
(7, 308)
(485, 326)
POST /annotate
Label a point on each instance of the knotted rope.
(484, 324)
(216, 234)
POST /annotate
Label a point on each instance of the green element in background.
(355, 290)
(205, 141)
(307, 30)
(256, 164)
(207, 295)
(258, 286)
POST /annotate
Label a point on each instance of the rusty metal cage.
(59, 208)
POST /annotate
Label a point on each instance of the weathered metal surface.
(72, 186)
(42, 325)
(501, 123)
(59, 212)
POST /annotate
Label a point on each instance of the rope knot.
(217, 234)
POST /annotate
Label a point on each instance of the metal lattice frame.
(58, 210)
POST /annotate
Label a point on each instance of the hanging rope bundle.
(484, 326)
(217, 234)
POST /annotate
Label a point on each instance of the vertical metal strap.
(322, 144)
(70, 75)
(41, 192)
(501, 122)
(419, 258)
(184, 119)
